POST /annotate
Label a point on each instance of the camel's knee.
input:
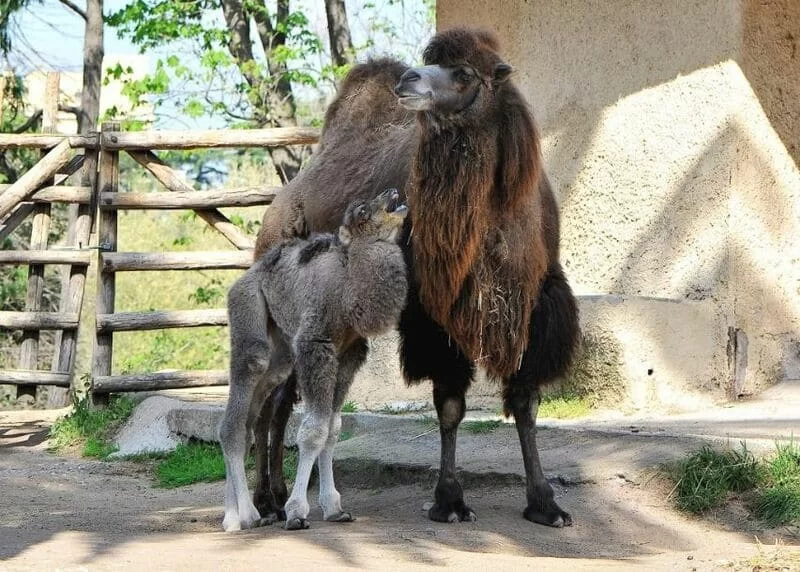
(451, 412)
(313, 432)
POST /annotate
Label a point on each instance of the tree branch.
(37, 115)
(75, 8)
(74, 109)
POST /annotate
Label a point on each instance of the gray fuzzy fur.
(308, 306)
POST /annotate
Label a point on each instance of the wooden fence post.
(73, 284)
(40, 230)
(108, 182)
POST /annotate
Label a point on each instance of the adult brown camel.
(481, 243)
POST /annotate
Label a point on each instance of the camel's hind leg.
(270, 493)
(316, 367)
(553, 337)
(260, 361)
(329, 498)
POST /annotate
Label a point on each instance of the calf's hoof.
(297, 524)
(340, 517)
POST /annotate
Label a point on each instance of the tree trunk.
(277, 103)
(342, 52)
(88, 115)
(92, 67)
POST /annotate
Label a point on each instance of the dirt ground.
(68, 514)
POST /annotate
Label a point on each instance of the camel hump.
(365, 100)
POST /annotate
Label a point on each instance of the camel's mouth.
(392, 203)
(415, 102)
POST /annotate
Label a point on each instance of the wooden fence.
(99, 201)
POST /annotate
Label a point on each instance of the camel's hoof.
(269, 520)
(297, 524)
(556, 517)
(340, 517)
(458, 513)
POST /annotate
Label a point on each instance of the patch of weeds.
(345, 435)
(192, 462)
(91, 428)
(705, 478)
(564, 407)
(349, 407)
(196, 462)
(481, 427)
(779, 501)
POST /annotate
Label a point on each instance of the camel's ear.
(344, 235)
(501, 72)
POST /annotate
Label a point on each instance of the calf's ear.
(501, 72)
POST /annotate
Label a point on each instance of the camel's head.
(462, 71)
(378, 219)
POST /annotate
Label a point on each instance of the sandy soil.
(67, 513)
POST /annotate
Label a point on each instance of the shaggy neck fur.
(464, 183)
(376, 287)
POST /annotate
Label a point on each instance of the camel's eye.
(464, 75)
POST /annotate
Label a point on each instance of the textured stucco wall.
(665, 129)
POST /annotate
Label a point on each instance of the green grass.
(481, 427)
(779, 502)
(564, 407)
(197, 462)
(89, 428)
(706, 478)
(349, 407)
(345, 435)
(192, 463)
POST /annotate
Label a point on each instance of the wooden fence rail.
(99, 198)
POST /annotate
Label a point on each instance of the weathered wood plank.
(35, 320)
(160, 380)
(81, 258)
(190, 199)
(165, 175)
(144, 140)
(145, 261)
(28, 377)
(73, 285)
(138, 321)
(13, 220)
(36, 141)
(35, 178)
(107, 182)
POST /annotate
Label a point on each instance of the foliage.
(200, 76)
(707, 477)
(349, 407)
(90, 428)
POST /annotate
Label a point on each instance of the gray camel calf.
(307, 307)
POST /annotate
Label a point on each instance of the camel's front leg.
(329, 497)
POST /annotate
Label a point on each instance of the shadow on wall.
(771, 61)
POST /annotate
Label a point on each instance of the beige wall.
(668, 131)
